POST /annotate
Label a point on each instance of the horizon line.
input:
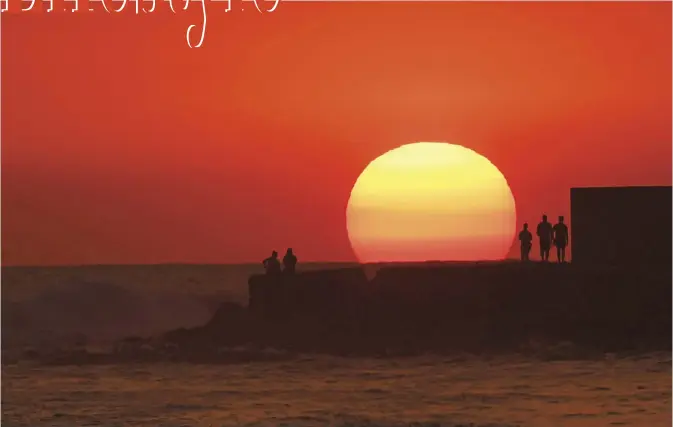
(224, 264)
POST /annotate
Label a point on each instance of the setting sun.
(431, 201)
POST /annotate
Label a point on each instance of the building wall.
(614, 225)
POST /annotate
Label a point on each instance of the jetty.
(614, 296)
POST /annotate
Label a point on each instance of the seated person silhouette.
(561, 239)
(272, 264)
(289, 262)
(544, 232)
(526, 242)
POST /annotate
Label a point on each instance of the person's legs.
(563, 254)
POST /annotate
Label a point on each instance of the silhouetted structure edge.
(621, 225)
(489, 307)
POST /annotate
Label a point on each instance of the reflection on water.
(319, 391)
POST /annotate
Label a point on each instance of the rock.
(462, 307)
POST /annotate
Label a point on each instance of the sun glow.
(431, 201)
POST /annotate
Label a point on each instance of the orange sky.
(122, 145)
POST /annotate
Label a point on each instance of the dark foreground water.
(322, 391)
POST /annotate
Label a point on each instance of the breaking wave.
(99, 312)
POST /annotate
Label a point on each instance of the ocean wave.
(326, 421)
(86, 311)
(149, 352)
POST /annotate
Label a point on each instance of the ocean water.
(322, 391)
(50, 308)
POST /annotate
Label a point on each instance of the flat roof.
(634, 187)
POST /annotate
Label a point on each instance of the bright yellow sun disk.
(434, 201)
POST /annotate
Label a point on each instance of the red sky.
(122, 145)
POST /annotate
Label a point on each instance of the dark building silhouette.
(621, 226)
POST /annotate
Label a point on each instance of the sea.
(45, 309)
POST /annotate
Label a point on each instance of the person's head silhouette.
(525, 226)
(560, 219)
(544, 218)
(274, 254)
(289, 251)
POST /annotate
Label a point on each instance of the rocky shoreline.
(543, 311)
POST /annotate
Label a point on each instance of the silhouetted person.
(561, 239)
(545, 234)
(526, 242)
(289, 262)
(272, 264)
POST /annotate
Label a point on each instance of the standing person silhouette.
(289, 262)
(526, 242)
(544, 232)
(272, 264)
(561, 239)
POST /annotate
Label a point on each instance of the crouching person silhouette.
(272, 264)
(289, 262)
